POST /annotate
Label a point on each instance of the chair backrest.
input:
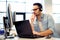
(21, 13)
(5, 22)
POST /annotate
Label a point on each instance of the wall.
(48, 9)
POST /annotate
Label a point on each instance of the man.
(41, 24)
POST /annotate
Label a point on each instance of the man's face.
(36, 10)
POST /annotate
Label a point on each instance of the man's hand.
(32, 18)
(31, 21)
(44, 33)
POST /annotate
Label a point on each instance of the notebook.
(24, 29)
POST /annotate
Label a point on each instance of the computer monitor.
(13, 17)
(8, 23)
(9, 16)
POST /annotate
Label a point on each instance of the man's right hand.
(31, 22)
(32, 18)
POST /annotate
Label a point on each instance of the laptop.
(24, 29)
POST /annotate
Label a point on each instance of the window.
(18, 6)
(56, 10)
(2, 11)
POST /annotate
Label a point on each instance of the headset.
(39, 5)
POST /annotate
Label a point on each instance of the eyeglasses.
(35, 9)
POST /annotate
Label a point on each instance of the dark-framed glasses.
(35, 9)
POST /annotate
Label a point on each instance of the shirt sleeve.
(51, 24)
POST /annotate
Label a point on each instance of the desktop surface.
(17, 38)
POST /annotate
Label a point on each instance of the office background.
(51, 7)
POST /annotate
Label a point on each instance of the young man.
(41, 24)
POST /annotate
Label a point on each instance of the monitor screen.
(9, 12)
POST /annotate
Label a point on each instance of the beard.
(37, 14)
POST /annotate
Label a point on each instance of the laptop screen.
(23, 27)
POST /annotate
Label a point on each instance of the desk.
(16, 38)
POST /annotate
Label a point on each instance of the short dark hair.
(39, 5)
